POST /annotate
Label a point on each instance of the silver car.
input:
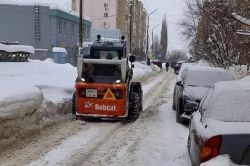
(222, 124)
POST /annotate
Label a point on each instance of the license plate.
(91, 93)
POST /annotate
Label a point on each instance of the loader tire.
(137, 88)
(134, 106)
(73, 104)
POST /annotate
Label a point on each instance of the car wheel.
(173, 107)
(179, 119)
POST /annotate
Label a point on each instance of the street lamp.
(153, 37)
(148, 60)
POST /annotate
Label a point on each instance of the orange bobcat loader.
(103, 88)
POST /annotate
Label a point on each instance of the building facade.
(113, 15)
(43, 28)
(102, 13)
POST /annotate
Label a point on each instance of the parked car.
(177, 67)
(222, 124)
(191, 86)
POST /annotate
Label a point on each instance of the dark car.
(221, 126)
(191, 86)
(177, 67)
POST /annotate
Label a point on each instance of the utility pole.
(131, 26)
(80, 27)
(153, 49)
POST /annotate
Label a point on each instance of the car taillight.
(210, 148)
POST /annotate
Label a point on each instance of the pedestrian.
(167, 66)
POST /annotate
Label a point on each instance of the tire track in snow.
(126, 139)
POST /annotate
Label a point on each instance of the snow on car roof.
(59, 49)
(205, 68)
(230, 102)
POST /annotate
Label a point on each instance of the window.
(64, 28)
(106, 25)
(72, 30)
(106, 15)
(106, 5)
(59, 27)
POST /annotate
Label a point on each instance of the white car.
(222, 124)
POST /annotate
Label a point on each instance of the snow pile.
(223, 160)
(31, 93)
(239, 71)
(203, 63)
(143, 71)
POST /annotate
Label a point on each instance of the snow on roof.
(64, 5)
(21, 48)
(3, 47)
(59, 49)
(17, 48)
(241, 19)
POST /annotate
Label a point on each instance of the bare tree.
(211, 29)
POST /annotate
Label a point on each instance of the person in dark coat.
(167, 66)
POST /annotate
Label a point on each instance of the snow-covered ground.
(35, 93)
(154, 139)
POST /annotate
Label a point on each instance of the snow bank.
(143, 71)
(239, 71)
(32, 94)
(18, 102)
(223, 160)
(35, 94)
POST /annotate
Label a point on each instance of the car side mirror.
(179, 83)
(132, 58)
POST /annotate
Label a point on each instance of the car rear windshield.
(231, 106)
(206, 78)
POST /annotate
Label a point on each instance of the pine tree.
(164, 37)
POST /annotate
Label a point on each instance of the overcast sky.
(174, 10)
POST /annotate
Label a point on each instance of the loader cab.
(105, 72)
(103, 49)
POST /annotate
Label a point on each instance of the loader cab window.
(101, 73)
(109, 54)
